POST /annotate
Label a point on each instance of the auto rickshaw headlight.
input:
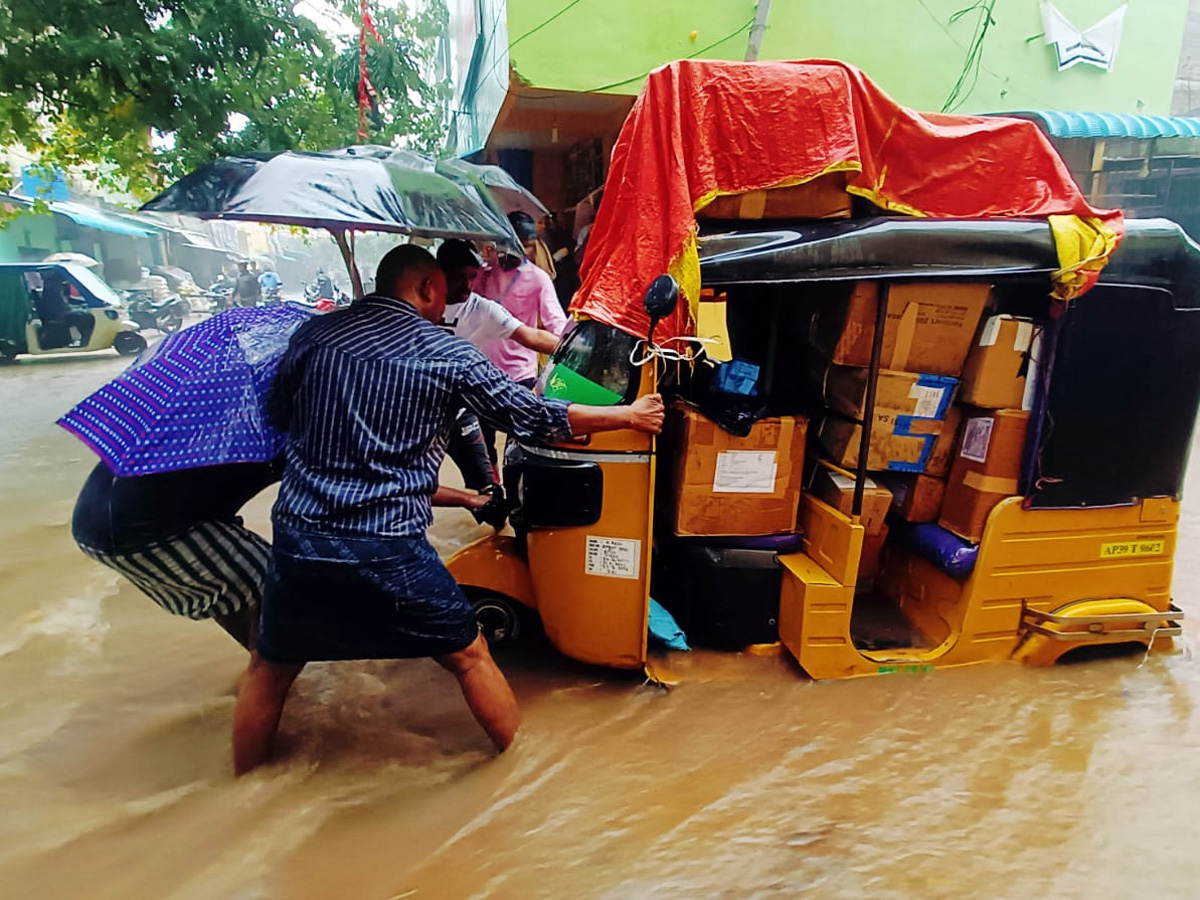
(111, 314)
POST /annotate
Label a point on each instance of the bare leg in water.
(486, 691)
(261, 695)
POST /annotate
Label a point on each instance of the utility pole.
(758, 29)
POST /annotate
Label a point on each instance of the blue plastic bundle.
(664, 629)
(947, 551)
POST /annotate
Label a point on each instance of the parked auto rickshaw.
(1080, 555)
(61, 308)
(904, 296)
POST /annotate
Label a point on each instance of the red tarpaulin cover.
(701, 129)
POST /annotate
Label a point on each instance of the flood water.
(746, 780)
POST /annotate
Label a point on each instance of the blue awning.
(91, 217)
(1110, 125)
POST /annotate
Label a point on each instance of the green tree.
(85, 84)
(405, 103)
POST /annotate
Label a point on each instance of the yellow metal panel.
(494, 564)
(598, 618)
(1039, 649)
(1047, 559)
(831, 539)
(814, 620)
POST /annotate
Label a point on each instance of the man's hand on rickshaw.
(646, 414)
(493, 510)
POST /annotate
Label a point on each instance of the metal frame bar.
(1035, 621)
(864, 444)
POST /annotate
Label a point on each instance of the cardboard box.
(868, 562)
(727, 485)
(915, 498)
(994, 375)
(898, 443)
(946, 444)
(929, 328)
(986, 470)
(823, 197)
(837, 490)
(844, 389)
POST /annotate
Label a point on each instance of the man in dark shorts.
(177, 536)
(367, 396)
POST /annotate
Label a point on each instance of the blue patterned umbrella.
(196, 399)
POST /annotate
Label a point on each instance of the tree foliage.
(87, 84)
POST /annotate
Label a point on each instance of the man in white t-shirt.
(480, 322)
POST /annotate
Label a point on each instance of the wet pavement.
(747, 780)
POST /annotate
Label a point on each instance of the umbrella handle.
(339, 238)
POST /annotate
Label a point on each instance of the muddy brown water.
(744, 781)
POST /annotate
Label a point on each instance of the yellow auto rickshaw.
(61, 307)
(1074, 550)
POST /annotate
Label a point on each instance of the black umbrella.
(508, 192)
(362, 188)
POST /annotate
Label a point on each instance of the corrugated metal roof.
(1109, 125)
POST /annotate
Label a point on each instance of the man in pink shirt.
(528, 294)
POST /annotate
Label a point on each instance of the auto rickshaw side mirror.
(661, 299)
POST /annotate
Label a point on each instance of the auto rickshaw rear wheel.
(129, 343)
(8, 351)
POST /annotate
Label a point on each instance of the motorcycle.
(220, 295)
(272, 295)
(312, 297)
(166, 316)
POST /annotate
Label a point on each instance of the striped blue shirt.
(366, 396)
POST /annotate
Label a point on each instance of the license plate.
(1132, 548)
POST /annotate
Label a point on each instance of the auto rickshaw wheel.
(129, 343)
(8, 352)
(500, 619)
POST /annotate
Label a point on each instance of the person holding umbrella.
(184, 443)
(366, 396)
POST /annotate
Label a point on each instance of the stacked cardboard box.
(823, 197)
(997, 388)
(729, 485)
(986, 470)
(927, 335)
(837, 489)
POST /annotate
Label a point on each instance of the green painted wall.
(909, 47)
(27, 231)
(603, 42)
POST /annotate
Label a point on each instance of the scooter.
(166, 315)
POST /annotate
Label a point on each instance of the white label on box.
(745, 472)
(843, 483)
(1024, 335)
(976, 438)
(991, 331)
(613, 557)
(929, 400)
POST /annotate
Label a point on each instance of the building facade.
(570, 68)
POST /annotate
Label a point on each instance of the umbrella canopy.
(80, 259)
(509, 193)
(363, 188)
(196, 399)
